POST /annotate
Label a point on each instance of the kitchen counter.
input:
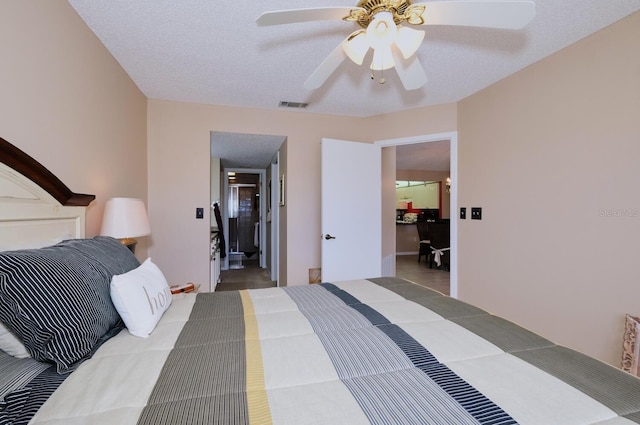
(406, 238)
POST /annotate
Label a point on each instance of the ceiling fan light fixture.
(409, 40)
(356, 46)
(382, 30)
(382, 59)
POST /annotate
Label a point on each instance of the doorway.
(243, 212)
(243, 222)
(254, 234)
(389, 228)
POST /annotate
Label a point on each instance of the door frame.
(225, 210)
(452, 137)
(275, 218)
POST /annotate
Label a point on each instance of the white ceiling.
(432, 156)
(202, 51)
(244, 150)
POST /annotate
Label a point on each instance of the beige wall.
(66, 102)
(549, 153)
(179, 175)
(388, 215)
(179, 158)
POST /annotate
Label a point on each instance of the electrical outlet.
(476, 213)
(199, 213)
(463, 213)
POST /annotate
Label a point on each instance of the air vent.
(298, 105)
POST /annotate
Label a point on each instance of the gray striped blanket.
(377, 351)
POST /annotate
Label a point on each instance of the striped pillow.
(12, 345)
(25, 384)
(16, 373)
(56, 299)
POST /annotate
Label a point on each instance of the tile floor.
(407, 267)
(249, 277)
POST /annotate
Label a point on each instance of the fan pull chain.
(382, 79)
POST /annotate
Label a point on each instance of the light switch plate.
(463, 213)
(199, 213)
(476, 213)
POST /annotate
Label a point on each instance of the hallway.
(251, 276)
(407, 267)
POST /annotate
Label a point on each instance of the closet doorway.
(246, 154)
(243, 201)
(243, 213)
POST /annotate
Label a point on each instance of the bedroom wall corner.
(67, 103)
(551, 153)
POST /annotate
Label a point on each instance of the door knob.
(328, 236)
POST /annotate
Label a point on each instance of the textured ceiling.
(432, 156)
(244, 150)
(202, 51)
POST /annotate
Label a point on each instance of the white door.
(273, 219)
(351, 210)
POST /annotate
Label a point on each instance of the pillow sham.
(141, 297)
(15, 373)
(12, 345)
(108, 253)
(56, 299)
(25, 384)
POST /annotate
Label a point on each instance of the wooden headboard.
(36, 208)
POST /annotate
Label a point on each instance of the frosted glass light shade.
(382, 31)
(409, 40)
(356, 46)
(125, 218)
(382, 59)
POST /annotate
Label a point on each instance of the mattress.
(381, 351)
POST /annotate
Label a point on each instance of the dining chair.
(425, 243)
(439, 236)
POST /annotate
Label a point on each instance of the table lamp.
(125, 219)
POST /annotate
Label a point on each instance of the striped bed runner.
(393, 378)
(364, 354)
(215, 373)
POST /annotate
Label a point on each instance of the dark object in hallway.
(223, 245)
(423, 237)
(439, 235)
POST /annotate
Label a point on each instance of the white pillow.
(11, 345)
(141, 296)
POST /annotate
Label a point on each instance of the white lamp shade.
(382, 59)
(356, 46)
(408, 40)
(382, 31)
(125, 218)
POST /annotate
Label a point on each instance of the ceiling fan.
(386, 29)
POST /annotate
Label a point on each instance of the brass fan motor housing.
(401, 10)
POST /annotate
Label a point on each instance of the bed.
(106, 343)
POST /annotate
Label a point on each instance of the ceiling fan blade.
(280, 17)
(409, 70)
(507, 14)
(326, 68)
